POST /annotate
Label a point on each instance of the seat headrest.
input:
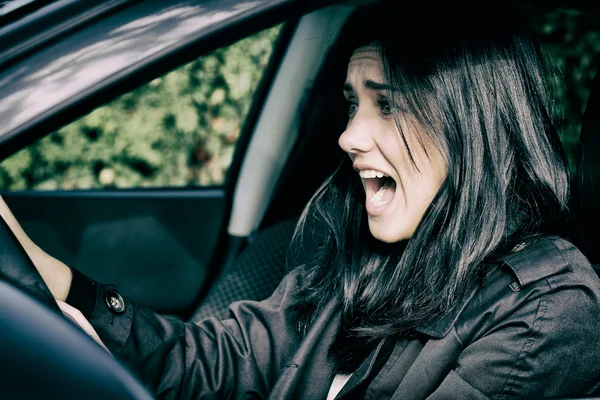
(587, 190)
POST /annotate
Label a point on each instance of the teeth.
(371, 173)
(376, 199)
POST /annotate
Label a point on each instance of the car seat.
(586, 191)
(255, 273)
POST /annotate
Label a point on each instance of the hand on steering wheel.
(17, 269)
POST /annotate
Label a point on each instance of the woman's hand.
(55, 273)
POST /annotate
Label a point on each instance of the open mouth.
(380, 189)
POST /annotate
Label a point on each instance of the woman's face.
(397, 191)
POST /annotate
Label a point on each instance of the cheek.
(394, 150)
(438, 166)
(433, 173)
(423, 169)
(428, 157)
(422, 179)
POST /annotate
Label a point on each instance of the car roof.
(12, 10)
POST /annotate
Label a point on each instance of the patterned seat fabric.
(255, 273)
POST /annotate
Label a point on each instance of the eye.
(352, 107)
(384, 106)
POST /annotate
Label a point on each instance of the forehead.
(365, 62)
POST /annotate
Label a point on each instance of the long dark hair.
(479, 89)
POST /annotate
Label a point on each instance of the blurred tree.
(178, 130)
(572, 39)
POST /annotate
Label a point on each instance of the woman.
(440, 272)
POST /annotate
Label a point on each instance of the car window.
(178, 130)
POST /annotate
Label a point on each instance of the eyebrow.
(368, 84)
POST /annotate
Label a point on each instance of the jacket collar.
(538, 260)
(440, 327)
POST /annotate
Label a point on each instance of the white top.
(336, 386)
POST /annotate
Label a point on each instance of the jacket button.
(114, 301)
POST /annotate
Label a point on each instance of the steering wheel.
(43, 354)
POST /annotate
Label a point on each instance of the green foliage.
(572, 39)
(177, 130)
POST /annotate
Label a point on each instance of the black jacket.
(533, 330)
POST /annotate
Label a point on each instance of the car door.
(123, 134)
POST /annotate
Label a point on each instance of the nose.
(357, 137)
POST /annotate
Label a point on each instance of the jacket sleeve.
(547, 347)
(236, 358)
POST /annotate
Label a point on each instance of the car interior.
(289, 146)
(142, 231)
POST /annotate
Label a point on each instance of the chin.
(388, 234)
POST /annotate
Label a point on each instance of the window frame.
(258, 97)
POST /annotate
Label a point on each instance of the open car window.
(178, 130)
